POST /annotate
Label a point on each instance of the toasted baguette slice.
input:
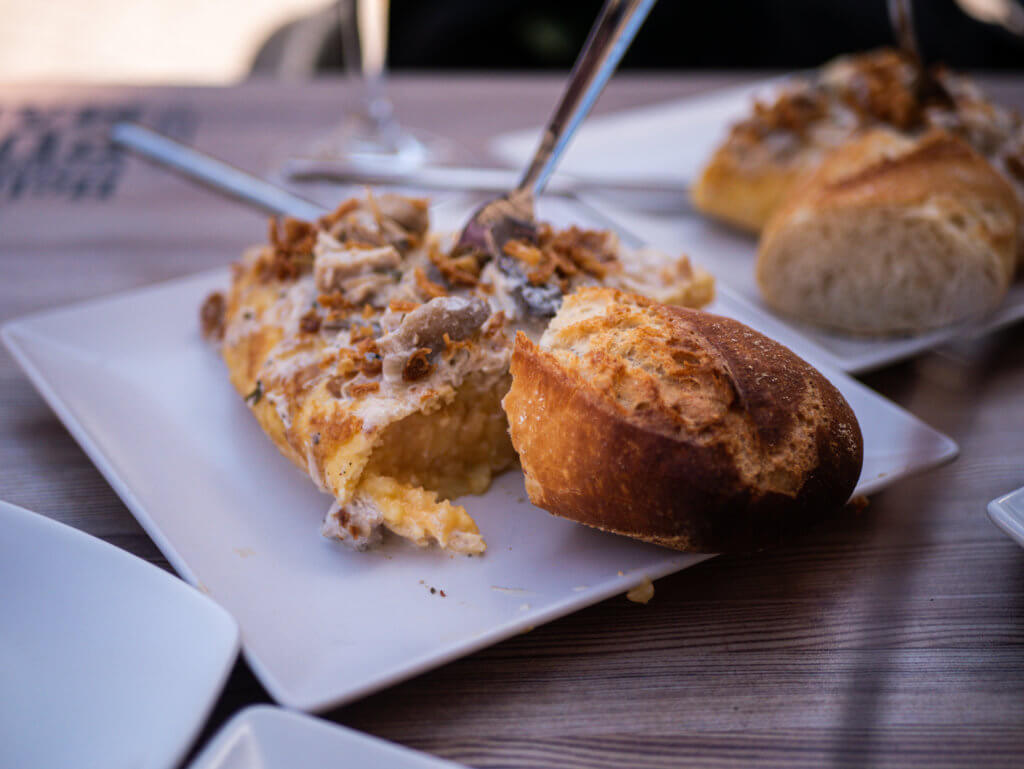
(677, 427)
(892, 235)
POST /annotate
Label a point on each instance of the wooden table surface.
(893, 638)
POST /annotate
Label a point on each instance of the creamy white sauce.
(281, 406)
(364, 523)
(396, 398)
(295, 302)
(283, 364)
(313, 468)
(241, 329)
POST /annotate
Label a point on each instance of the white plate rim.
(1006, 518)
(251, 717)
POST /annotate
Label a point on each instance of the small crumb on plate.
(642, 593)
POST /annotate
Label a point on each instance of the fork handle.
(609, 38)
(901, 18)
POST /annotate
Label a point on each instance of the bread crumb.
(858, 504)
(642, 593)
(509, 590)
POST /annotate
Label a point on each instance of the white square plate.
(105, 660)
(150, 403)
(671, 142)
(265, 737)
(1007, 512)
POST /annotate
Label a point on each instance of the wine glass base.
(358, 148)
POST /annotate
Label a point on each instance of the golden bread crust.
(680, 428)
(743, 196)
(881, 168)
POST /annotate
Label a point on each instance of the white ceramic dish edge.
(266, 737)
(1007, 512)
(115, 563)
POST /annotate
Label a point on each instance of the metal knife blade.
(478, 179)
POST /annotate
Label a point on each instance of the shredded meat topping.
(309, 323)
(397, 305)
(428, 324)
(884, 87)
(334, 386)
(359, 389)
(361, 331)
(561, 255)
(387, 220)
(458, 268)
(426, 286)
(879, 87)
(291, 249)
(334, 301)
(211, 317)
(793, 111)
(374, 317)
(418, 365)
(1015, 164)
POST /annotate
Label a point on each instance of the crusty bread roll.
(742, 185)
(892, 235)
(781, 140)
(677, 427)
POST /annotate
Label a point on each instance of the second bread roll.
(892, 235)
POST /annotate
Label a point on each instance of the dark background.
(679, 34)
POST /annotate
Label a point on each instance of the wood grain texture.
(890, 638)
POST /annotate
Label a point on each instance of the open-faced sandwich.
(781, 141)
(375, 354)
(890, 196)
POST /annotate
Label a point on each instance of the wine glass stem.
(371, 25)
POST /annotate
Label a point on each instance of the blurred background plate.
(668, 142)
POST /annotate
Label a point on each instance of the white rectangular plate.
(672, 142)
(105, 660)
(1007, 512)
(150, 403)
(265, 737)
